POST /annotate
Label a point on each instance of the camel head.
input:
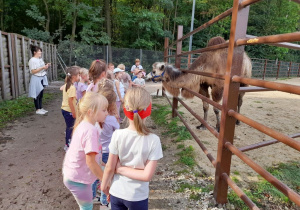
(157, 70)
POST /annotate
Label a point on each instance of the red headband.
(143, 113)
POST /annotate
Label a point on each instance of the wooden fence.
(232, 79)
(14, 56)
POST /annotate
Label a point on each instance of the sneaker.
(96, 200)
(44, 110)
(66, 147)
(106, 206)
(40, 112)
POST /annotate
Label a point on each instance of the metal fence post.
(177, 63)
(289, 71)
(230, 99)
(265, 68)
(278, 68)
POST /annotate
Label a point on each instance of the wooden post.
(11, 70)
(278, 68)
(17, 70)
(3, 80)
(177, 63)
(25, 72)
(166, 50)
(289, 71)
(265, 67)
(230, 99)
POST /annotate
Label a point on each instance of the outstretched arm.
(109, 172)
(145, 174)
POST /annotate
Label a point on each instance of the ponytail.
(71, 71)
(139, 125)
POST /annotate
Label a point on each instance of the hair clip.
(135, 111)
(97, 60)
(68, 74)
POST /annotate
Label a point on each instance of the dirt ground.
(31, 153)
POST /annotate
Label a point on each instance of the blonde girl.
(69, 101)
(82, 85)
(125, 79)
(119, 88)
(97, 71)
(80, 167)
(109, 126)
(133, 155)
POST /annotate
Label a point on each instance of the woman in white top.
(38, 79)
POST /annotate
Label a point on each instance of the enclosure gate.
(239, 13)
(14, 56)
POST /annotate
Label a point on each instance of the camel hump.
(215, 41)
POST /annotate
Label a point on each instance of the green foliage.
(13, 109)
(37, 34)
(187, 156)
(161, 116)
(262, 191)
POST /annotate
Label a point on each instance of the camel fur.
(212, 62)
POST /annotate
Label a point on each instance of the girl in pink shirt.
(80, 167)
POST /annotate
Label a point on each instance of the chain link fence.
(83, 55)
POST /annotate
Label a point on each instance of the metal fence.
(83, 55)
(232, 79)
(14, 56)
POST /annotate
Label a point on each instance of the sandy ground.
(31, 152)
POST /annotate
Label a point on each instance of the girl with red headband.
(133, 156)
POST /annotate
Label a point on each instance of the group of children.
(94, 140)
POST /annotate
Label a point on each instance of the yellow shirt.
(66, 95)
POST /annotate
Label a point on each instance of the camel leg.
(204, 91)
(217, 93)
(240, 102)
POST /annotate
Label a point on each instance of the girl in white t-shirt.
(133, 155)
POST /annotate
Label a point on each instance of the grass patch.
(195, 188)
(263, 193)
(187, 156)
(180, 146)
(164, 147)
(161, 115)
(13, 109)
(236, 173)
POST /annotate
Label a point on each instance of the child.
(139, 81)
(133, 155)
(119, 88)
(80, 168)
(125, 79)
(109, 126)
(97, 71)
(69, 102)
(82, 84)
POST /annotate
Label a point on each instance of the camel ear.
(161, 67)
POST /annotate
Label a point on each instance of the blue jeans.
(120, 204)
(69, 125)
(103, 197)
(94, 188)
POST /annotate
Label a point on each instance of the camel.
(213, 62)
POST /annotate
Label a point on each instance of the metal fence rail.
(226, 148)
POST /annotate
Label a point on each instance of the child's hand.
(74, 115)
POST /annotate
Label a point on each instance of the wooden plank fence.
(14, 70)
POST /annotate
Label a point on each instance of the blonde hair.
(71, 71)
(90, 101)
(106, 88)
(121, 66)
(137, 99)
(83, 71)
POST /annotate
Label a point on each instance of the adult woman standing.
(38, 79)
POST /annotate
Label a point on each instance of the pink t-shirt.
(92, 87)
(84, 141)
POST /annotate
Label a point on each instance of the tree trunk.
(108, 27)
(48, 16)
(2, 15)
(60, 26)
(75, 2)
(175, 18)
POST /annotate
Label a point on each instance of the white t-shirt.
(139, 81)
(133, 151)
(36, 63)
